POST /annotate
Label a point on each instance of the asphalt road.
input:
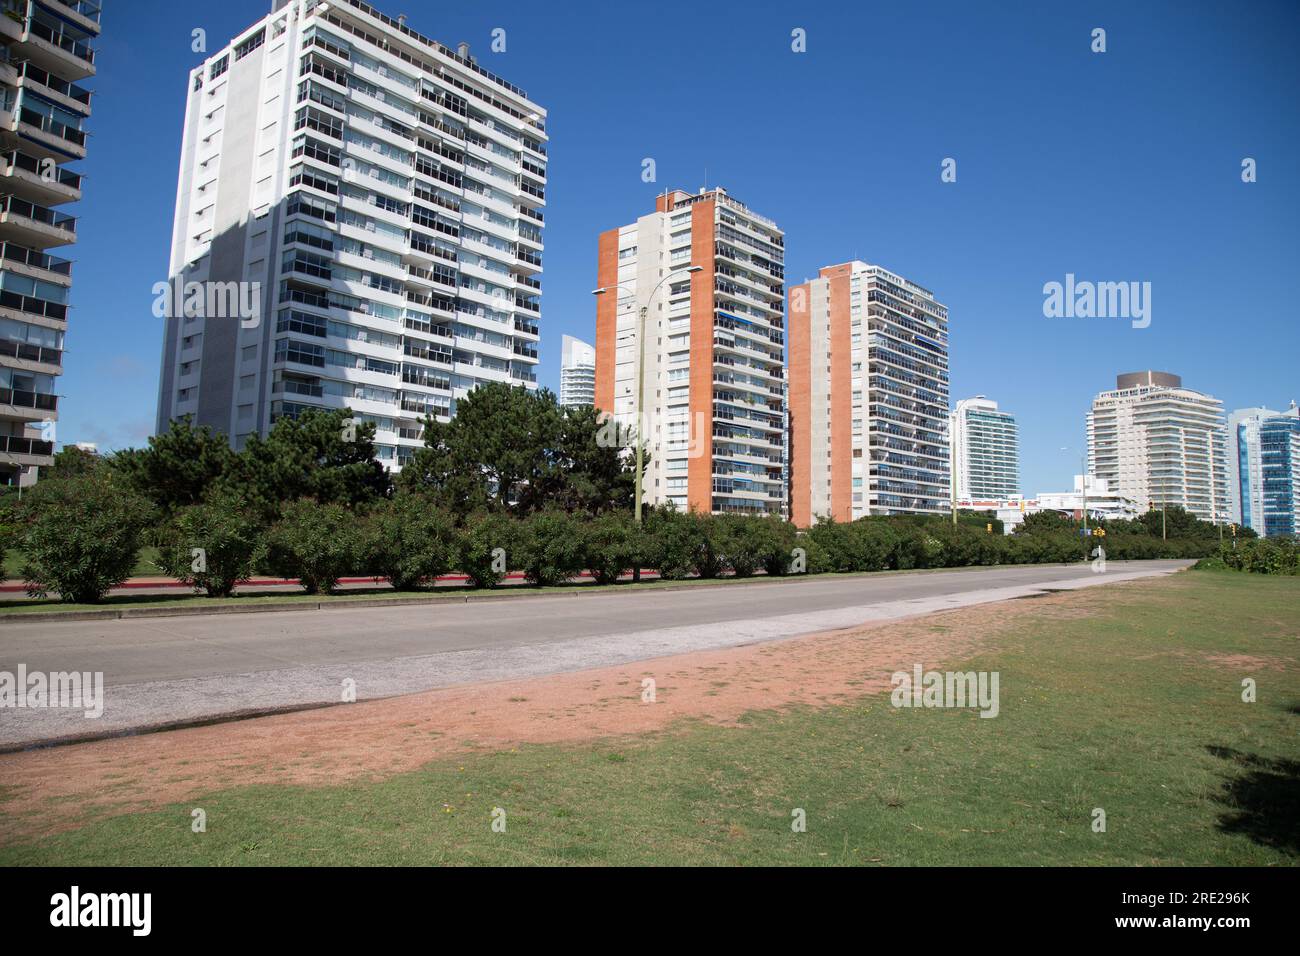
(159, 672)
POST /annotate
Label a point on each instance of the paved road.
(171, 670)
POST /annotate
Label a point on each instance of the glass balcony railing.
(21, 207)
(31, 353)
(47, 124)
(12, 252)
(45, 171)
(20, 398)
(90, 9)
(71, 90)
(78, 48)
(17, 445)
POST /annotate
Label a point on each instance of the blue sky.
(1122, 166)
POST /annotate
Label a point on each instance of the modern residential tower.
(868, 396)
(1264, 470)
(705, 275)
(45, 56)
(577, 372)
(380, 196)
(985, 448)
(1159, 443)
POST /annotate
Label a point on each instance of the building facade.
(985, 449)
(379, 197)
(577, 372)
(868, 396)
(1279, 456)
(1245, 470)
(713, 353)
(46, 54)
(1158, 443)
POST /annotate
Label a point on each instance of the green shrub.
(672, 542)
(81, 534)
(315, 543)
(485, 547)
(1263, 556)
(710, 545)
(408, 541)
(226, 533)
(740, 544)
(550, 548)
(611, 545)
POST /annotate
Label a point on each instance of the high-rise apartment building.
(379, 197)
(705, 275)
(1279, 452)
(45, 55)
(868, 396)
(985, 448)
(1264, 469)
(1159, 443)
(1245, 470)
(577, 372)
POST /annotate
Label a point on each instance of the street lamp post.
(643, 309)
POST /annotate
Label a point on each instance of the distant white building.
(985, 448)
(1101, 501)
(577, 372)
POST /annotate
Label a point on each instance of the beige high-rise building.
(1160, 443)
(868, 396)
(707, 273)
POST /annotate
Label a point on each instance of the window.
(249, 45)
(219, 67)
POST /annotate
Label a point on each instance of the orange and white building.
(868, 401)
(713, 409)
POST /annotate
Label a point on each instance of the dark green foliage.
(319, 455)
(550, 548)
(671, 541)
(611, 546)
(178, 467)
(409, 541)
(515, 450)
(1262, 556)
(80, 535)
(315, 543)
(225, 530)
(484, 548)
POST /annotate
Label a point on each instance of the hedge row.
(81, 534)
(1259, 556)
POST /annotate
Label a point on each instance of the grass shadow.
(1262, 800)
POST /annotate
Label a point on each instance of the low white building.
(1102, 504)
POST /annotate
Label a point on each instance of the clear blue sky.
(1116, 166)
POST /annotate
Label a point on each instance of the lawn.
(1133, 707)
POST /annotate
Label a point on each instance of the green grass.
(1119, 709)
(144, 564)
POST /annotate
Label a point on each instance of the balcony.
(75, 98)
(28, 406)
(16, 450)
(30, 305)
(24, 352)
(35, 226)
(56, 50)
(38, 179)
(37, 265)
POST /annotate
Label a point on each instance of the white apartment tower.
(379, 197)
(577, 372)
(1159, 443)
(985, 448)
(868, 396)
(45, 55)
(705, 275)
